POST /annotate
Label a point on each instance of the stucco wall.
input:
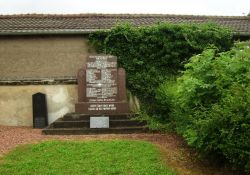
(42, 56)
(16, 102)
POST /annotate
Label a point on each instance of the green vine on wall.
(152, 54)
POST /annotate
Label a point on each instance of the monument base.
(102, 108)
(75, 124)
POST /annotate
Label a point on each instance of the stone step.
(77, 117)
(75, 124)
(79, 131)
(85, 123)
(71, 124)
(126, 123)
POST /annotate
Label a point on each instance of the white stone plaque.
(101, 79)
(99, 122)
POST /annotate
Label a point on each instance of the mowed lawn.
(85, 158)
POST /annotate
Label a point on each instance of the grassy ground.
(89, 157)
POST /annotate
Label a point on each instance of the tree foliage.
(151, 54)
(210, 104)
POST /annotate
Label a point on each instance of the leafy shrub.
(210, 104)
(150, 54)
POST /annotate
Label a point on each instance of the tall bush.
(150, 54)
(210, 104)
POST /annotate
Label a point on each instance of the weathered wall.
(16, 102)
(39, 57)
(42, 56)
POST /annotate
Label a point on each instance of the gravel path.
(10, 137)
(174, 150)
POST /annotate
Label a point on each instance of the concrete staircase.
(76, 124)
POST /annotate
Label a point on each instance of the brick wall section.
(42, 56)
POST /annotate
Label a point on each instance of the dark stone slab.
(102, 108)
(101, 87)
(79, 117)
(40, 113)
(70, 124)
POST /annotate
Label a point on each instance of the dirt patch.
(175, 152)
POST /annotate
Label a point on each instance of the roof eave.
(75, 32)
(49, 32)
(243, 34)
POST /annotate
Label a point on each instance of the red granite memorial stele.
(102, 105)
(101, 87)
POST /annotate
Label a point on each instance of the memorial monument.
(102, 105)
(101, 87)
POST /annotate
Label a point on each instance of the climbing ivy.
(152, 54)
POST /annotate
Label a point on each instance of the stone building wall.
(46, 64)
(16, 102)
(42, 56)
(39, 60)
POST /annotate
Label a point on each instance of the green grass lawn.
(85, 157)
